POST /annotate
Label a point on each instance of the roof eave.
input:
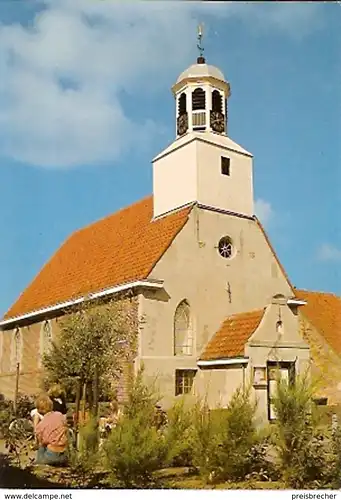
(296, 302)
(145, 283)
(223, 361)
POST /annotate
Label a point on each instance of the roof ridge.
(101, 219)
(258, 310)
(104, 253)
(304, 290)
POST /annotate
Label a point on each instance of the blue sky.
(85, 104)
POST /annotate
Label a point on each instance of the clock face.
(182, 124)
(217, 121)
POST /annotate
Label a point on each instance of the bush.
(236, 451)
(262, 466)
(206, 438)
(301, 444)
(336, 459)
(135, 449)
(25, 405)
(85, 460)
(6, 414)
(179, 436)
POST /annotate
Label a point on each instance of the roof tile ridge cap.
(250, 311)
(122, 209)
(274, 252)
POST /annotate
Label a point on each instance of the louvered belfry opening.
(198, 108)
(198, 99)
(182, 104)
(217, 101)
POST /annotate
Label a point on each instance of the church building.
(219, 309)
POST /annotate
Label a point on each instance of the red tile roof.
(323, 310)
(121, 248)
(230, 339)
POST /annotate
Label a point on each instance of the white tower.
(203, 164)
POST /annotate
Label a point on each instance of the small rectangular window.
(225, 165)
(184, 381)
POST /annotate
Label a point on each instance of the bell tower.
(203, 164)
(201, 95)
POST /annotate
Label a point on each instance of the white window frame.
(184, 376)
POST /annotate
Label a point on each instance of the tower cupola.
(201, 93)
(203, 165)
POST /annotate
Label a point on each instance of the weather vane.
(200, 35)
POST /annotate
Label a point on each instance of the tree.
(95, 340)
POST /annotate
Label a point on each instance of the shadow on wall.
(159, 295)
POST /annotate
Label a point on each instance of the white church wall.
(232, 192)
(215, 287)
(175, 179)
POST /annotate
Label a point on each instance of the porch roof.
(229, 341)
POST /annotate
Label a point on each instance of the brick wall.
(31, 374)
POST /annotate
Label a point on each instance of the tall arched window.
(198, 99)
(182, 104)
(183, 332)
(217, 101)
(45, 338)
(16, 348)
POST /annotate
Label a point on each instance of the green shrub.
(300, 442)
(135, 449)
(206, 438)
(6, 414)
(85, 459)
(25, 404)
(332, 467)
(179, 436)
(236, 450)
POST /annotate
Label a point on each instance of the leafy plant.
(6, 414)
(300, 442)
(236, 450)
(135, 448)
(94, 341)
(85, 459)
(179, 435)
(25, 404)
(206, 439)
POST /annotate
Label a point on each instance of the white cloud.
(100, 48)
(264, 211)
(329, 252)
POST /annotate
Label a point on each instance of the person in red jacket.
(51, 433)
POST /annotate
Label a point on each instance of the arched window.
(16, 348)
(217, 101)
(45, 338)
(183, 334)
(182, 103)
(198, 99)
